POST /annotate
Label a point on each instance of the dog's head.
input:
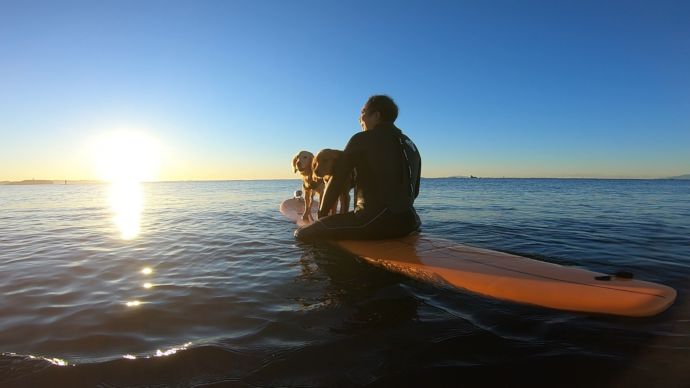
(324, 161)
(302, 162)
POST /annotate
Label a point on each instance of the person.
(387, 168)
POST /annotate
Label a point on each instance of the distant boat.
(473, 177)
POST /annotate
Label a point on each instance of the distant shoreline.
(36, 182)
(30, 182)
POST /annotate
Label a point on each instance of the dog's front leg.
(308, 196)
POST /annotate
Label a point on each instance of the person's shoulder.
(357, 142)
(359, 136)
(404, 135)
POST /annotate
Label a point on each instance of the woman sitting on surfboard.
(387, 166)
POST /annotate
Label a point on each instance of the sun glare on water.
(127, 203)
(125, 159)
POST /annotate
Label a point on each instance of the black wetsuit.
(387, 168)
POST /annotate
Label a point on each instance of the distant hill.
(52, 182)
(686, 176)
(30, 182)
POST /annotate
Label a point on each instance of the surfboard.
(506, 276)
(294, 208)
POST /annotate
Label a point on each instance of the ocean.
(203, 284)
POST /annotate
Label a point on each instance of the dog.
(302, 162)
(322, 167)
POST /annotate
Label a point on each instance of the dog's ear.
(294, 163)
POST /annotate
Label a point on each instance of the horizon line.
(97, 181)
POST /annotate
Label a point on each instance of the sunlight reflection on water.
(127, 203)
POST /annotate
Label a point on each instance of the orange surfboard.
(506, 276)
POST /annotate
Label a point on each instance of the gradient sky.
(233, 89)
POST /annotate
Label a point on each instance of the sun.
(126, 157)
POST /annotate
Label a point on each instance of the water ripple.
(214, 289)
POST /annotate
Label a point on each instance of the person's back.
(387, 165)
(387, 168)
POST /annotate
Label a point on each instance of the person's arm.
(341, 173)
(419, 176)
(416, 157)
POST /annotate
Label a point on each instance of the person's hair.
(384, 105)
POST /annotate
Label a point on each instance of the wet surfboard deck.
(506, 276)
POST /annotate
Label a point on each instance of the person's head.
(378, 109)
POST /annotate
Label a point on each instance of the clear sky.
(233, 89)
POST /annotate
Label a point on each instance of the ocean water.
(202, 284)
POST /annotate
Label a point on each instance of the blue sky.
(233, 89)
